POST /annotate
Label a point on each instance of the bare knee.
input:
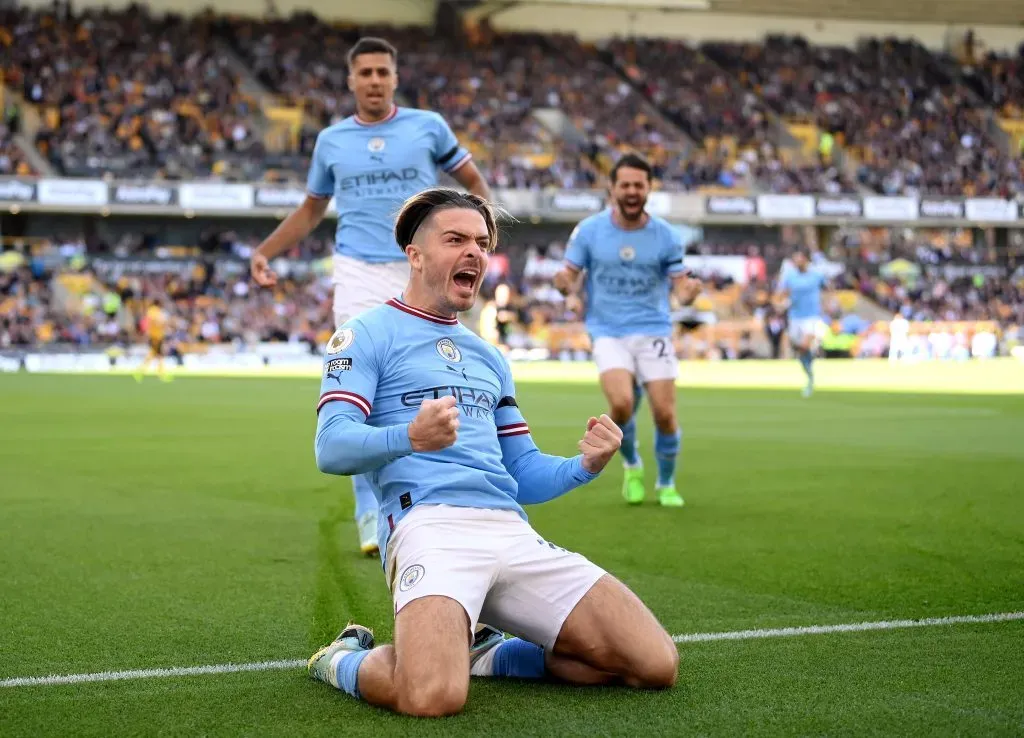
(432, 698)
(665, 420)
(657, 669)
(620, 407)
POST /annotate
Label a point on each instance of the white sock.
(484, 666)
(332, 675)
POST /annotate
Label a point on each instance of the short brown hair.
(419, 207)
(371, 45)
(632, 161)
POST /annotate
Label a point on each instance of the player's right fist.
(563, 281)
(260, 270)
(436, 425)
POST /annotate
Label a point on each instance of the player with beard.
(429, 409)
(631, 261)
(369, 163)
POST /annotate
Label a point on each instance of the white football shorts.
(802, 328)
(494, 564)
(648, 358)
(359, 286)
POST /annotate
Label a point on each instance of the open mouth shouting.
(466, 280)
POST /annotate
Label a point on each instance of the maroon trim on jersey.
(385, 119)
(432, 317)
(342, 396)
(460, 163)
(513, 429)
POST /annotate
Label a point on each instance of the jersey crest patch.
(627, 253)
(411, 577)
(448, 351)
(376, 144)
(340, 341)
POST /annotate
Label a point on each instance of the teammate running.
(801, 286)
(428, 408)
(370, 163)
(632, 261)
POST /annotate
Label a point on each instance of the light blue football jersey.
(628, 274)
(372, 168)
(804, 292)
(378, 369)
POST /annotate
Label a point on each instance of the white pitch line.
(742, 635)
(734, 635)
(113, 676)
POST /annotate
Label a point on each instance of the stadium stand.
(128, 93)
(132, 93)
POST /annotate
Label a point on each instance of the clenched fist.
(687, 289)
(600, 443)
(564, 280)
(260, 270)
(436, 426)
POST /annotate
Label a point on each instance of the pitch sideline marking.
(734, 635)
(742, 635)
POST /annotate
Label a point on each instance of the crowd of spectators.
(128, 92)
(132, 93)
(904, 113)
(101, 309)
(66, 293)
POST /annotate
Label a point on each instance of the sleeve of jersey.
(320, 181)
(448, 154)
(540, 477)
(576, 252)
(673, 260)
(345, 444)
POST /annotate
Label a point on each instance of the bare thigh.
(612, 631)
(431, 656)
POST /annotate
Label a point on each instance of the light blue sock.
(807, 361)
(666, 449)
(348, 672)
(518, 658)
(628, 447)
(365, 501)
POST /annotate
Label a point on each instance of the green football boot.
(633, 484)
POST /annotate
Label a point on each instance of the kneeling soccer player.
(428, 409)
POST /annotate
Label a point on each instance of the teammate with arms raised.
(632, 261)
(428, 408)
(370, 163)
(801, 286)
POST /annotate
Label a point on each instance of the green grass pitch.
(162, 525)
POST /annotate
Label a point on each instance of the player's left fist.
(688, 288)
(600, 443)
